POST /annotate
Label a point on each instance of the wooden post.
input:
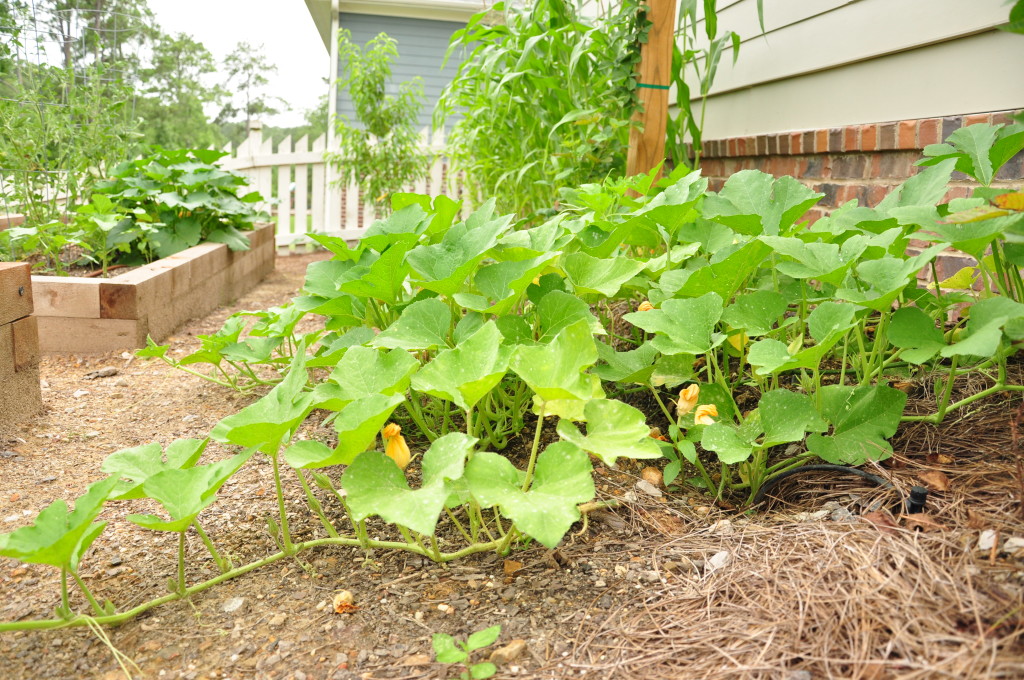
(647, 143)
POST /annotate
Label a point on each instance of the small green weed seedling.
(449, 650)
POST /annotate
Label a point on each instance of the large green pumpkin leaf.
(753, 202)
(443, 267)
(755, 313)
(267, 422)
(682, 326)
(862, 419)
(187, 492)
(787, 416)
(132, 467)
(374, 485)
(562, 480)
(364, 371)
(602, 276)
(58, 537)
(556, 370)
(423, 325)
(468, 372)
(914, 332)
(614, 430)
(357, 424)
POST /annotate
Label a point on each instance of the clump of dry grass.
(841, 600)
(834, 600)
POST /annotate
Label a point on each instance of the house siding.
(827, 63)
(421, 43)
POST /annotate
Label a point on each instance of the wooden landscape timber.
(19, 346)
(102, 315)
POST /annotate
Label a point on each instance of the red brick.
(821, 141)
(876, 193)
(851, 138)
(733, 148)
(786, 165)
(957, 192)
(977, 118)
(887, 136)
(741, 146)
(907, 134)
(808, 141)
(876, 165)
(835, 139)
(1003, 118)
(784, 143)
(928, 131)
(761, 145)
(868, 137)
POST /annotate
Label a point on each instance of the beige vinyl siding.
(825, 63)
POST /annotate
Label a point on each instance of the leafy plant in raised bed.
(169, 201)
(784, 341)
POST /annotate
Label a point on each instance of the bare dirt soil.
(823, 583)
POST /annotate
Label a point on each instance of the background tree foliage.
(381, 151)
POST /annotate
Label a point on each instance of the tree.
(172, 109)
(381, 153)
(246, 68)
(98, 31)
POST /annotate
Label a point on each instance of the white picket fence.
(304, 202)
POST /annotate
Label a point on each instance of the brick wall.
(859, 161)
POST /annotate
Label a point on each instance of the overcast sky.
(285, 29)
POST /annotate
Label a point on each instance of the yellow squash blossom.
(645, 306)
(395, 447)
(687, 399)
(705, 414)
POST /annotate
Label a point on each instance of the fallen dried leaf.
(935, 480)
(882, 521)
(14, 496)
(511, 567)
(922, 521)
(940, 459)
(974, 520)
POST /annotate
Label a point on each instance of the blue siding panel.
(421, 48)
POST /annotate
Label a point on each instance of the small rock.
(189, 418)
(277, 620)
(987, 539)
(702, 511)
(509, 652)
(717, 561)
(120, 382)
(722, 527)
(646, 487)
(233, 605)
(842, 515)
(1013, 544)
(104, 372)
(115, 561)
(43, 385)
(651, 576)
(45, 480)
(78, 394)
(600, 584)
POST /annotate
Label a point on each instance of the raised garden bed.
(100, 315)
(19, 346)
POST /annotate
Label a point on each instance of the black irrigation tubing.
(823, 467)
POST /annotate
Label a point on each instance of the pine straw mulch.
(895, 597)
